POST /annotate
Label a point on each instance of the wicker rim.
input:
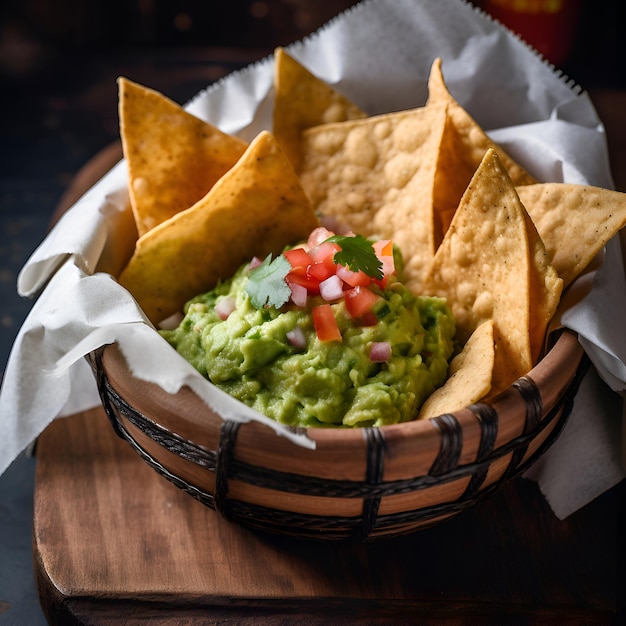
(547, 393)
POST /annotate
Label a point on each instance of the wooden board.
(114, 542)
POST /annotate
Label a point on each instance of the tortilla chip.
(469, 375)
(376, 175)
(256, 208)
(483, 268)
(173, 157)
(302, 100)
(462, 154)
(574, 221)
(546, 287)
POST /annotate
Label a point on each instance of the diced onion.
(299, 294)
(296, 337)
(380, 352)
(225, 307)
(171, 322)
(332, 288)
(318, 235)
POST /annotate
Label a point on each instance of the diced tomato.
(310, 268)
(329, 263)
(359, 301)
(301, 277)
(368, 319)
(298, 257)
(324, 252)
(323, 265)
(353, 279)
(325, 323)
(315, 265)
(321, 271)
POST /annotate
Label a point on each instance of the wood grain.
(116, 543)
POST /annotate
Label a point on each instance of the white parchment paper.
(379, 54)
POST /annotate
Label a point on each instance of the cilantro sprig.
(266, 284)
(357, 253)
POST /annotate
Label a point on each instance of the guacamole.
(379, 371)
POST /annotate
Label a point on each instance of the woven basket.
(359, 483)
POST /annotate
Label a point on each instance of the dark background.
(58, 108)
(33, 33)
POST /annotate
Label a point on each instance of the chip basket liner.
(359, 484)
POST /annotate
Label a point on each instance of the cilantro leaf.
(266, 284)
(357, 253)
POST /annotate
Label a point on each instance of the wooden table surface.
(115, 543)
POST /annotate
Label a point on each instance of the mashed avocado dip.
(378, 369)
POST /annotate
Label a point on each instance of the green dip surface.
(315, 383)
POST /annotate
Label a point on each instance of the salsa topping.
(334, 267)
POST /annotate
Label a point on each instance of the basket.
(359, 484)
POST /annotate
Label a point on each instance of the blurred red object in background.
(550, 26)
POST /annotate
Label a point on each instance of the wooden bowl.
(361, 483)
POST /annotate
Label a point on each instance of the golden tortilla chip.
(376, 175)
(574, 222)
(301, 100)
(462, 153)
(483, 268)
(173, 157)
(256, 208)
(469, 375)
(546, 287)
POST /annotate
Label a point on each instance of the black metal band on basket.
(369, 524)
(534, 408)
(375, 465)
(487, 417)
(116, 407)
(451, 444)
(532, 399)
(226, 446)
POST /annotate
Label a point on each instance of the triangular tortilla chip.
(483, 268)
(469, 375)
(376, 176)
(256, 208)
(301, 100)
(173, 157)
(546, 287)
(462, 153)
(574, 221)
